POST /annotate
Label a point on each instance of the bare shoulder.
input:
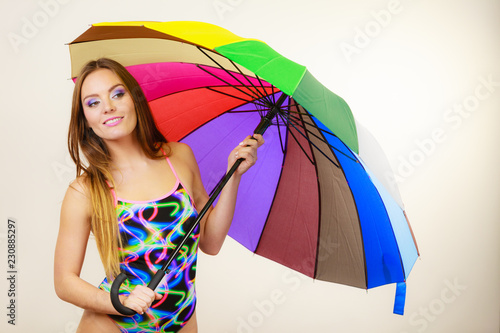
(178, 147)
(76, 208)
(77, 195)
(180, 152)
(185, 165)
(79, 185)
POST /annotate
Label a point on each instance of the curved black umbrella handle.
(115, 290)
(115, 296)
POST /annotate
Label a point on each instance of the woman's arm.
(217, 221)
(74, 231)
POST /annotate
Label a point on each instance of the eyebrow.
(109, 90)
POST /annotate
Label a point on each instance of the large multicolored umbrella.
(317, 201)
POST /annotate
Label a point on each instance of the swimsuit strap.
(170, 164)
(177, 177)
(115, 198)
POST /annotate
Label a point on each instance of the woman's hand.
(247, 150)
(140, 299)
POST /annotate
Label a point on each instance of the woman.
(136, 194)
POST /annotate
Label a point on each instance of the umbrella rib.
(282, 144)
(243, 111)
(314, 125)
(298, 112)
(308, 123)
(273, 102)
(312, 144)
(323, 130)
(257, 93)
(297, 105)
(247, 111)
(325, 141)
(255, 102)
(229, 95)
(229, 84)
(263, 95)
(294, 103)
(300, 146)
(296, 140)
(274, 97)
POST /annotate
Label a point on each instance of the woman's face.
(108, 105)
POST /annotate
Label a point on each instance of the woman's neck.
(126, 153)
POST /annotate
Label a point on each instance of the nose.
(109, 106)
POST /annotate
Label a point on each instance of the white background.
(405, 67)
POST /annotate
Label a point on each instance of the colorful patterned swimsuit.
(150, 231)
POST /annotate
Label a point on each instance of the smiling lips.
(113, 121)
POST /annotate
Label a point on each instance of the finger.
(158, 296)
(145, 294)
(249, 161)
(145, 300)
(248, 141)
(135, 304)
(140, 299)
(249, 156)
(259, 138)
(140, 289)
(145, 290)
(143, 306)
(248, 151)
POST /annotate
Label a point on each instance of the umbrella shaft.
(201, 214)
(266, 121)
(260, 129)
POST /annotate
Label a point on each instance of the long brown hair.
(96, 167)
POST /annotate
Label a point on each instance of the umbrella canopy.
(317, 201)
